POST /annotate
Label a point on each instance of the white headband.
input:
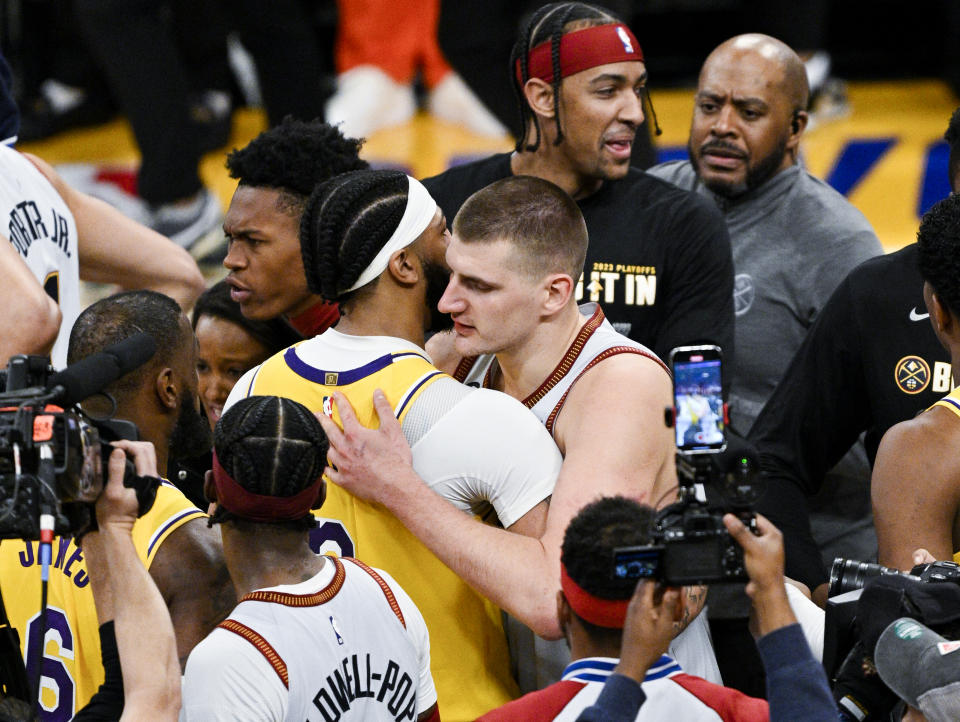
(418, 214)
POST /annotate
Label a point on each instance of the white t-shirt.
(347, 644)
(38, 223)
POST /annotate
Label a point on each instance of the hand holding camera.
(652, 616)
(763, 558)
(119, 506)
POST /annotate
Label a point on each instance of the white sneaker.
(454, 102)
(367, 100)
(195, 226)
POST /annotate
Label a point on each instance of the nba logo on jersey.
(625, 39)
(327, 406)
(336, 630)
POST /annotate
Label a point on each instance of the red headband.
(259, 507)
(610, 613)
(582, 50)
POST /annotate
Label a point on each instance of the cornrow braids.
(551, 22)
(271, 446)
(345, 223)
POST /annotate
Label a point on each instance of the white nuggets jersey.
(347, 644)
(37, 222)
(596, 341)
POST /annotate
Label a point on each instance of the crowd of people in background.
(398, 448)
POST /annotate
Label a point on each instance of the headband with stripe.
(582, 50)
(610, 613)
(261, 507)
(420, 210)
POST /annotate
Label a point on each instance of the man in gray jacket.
(794, 238)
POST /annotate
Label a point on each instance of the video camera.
(52, 455)
(690, 544)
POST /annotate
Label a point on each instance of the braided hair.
(588, 544)
(551, 22)
(271, 446)
(346, 222)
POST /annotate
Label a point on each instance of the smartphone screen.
(698, 398)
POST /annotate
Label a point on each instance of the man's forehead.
(750, 66)
(631, 71)
(256, 206)
(753, 76)
(486, 258)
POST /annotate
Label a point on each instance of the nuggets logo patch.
(912, 374)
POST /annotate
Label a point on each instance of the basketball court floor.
(886, 155)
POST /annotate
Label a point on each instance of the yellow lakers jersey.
(469, 658)
(951, 401)
(71, 669)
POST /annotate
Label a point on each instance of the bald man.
(794, 238)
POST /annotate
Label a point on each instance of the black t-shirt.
(658, 262)
(870, 360)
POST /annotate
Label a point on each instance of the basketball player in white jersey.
(62, 236)
(518, 245)
(313, 637)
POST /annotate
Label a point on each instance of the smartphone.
(700, 416)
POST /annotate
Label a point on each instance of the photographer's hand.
(649, 629)
(763, 557)
(122, 585)
(117, 506)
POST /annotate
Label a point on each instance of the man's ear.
(540, 97)
(210, 491)
(943, 319)
(321, 496)
(798, 124)
(558, 289)
(564, 613)
(168, 392)
(209, 488)
(402, 267)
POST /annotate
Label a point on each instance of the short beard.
(191, 435)
(437, 279)
(756, 175)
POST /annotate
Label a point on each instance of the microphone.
(97, 371)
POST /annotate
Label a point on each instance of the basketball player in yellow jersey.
(374, 241)
(184, 557)
(916, 478)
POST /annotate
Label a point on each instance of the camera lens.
(847, 575)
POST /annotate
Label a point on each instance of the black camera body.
(690, 543)
(52, 459)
